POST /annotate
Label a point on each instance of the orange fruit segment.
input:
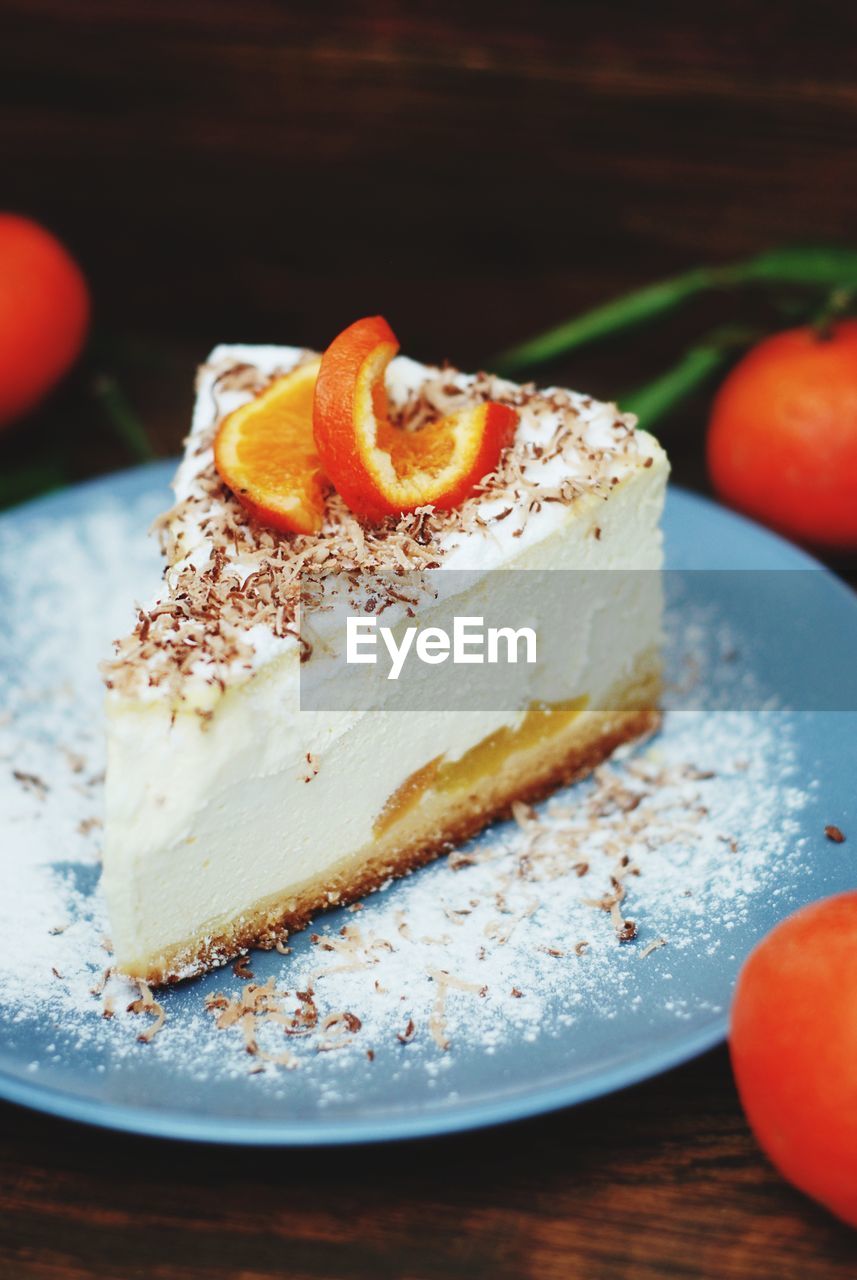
(381, 469)
(265, 453)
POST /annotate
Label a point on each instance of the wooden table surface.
(662, 1180)
(261, 172)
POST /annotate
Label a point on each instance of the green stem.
(122, 417)
(814, 266)
(837, 303)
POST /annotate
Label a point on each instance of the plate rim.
(163, 1123)
(234, 1131)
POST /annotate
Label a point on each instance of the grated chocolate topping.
(227, 574)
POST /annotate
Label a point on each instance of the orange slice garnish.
(265, 452)
(378, 468)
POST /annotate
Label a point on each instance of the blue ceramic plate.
(624, 1019)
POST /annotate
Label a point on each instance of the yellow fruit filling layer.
(541, 721)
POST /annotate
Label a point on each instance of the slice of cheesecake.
(235, 811)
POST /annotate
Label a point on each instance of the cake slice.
(233, 813)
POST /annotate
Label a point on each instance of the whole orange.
(782, 442)
(44, 314)
(793, 1041)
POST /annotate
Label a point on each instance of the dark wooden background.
(268, 171)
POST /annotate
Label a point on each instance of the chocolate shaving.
(445, 981)
(652, 946)
(146, 1003)
(31, 782)
(240, 969)
(201, 624)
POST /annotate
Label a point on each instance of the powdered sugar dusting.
(539, 927)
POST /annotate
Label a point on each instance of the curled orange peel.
(381, 469)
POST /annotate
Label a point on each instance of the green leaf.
(696, 366)
(814, 266)
(827, 268)
(630, 309)
(30, 482)
(663, 393)
(122, 417)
